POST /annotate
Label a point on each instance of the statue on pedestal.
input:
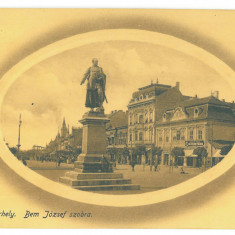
(93, 170)
(96, 81)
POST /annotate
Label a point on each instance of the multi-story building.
(146, 108)
(116, 131)
(160, 115)
(196, 122)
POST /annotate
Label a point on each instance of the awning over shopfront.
(189, 153)
(217, 154)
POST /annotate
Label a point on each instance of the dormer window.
(196, 112)
(164, 117)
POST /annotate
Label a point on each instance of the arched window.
(146, 117)
(130, 119)
(141, 119)
(141, 136)
(151, 116)
(136, 118)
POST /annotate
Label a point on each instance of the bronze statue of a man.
(96, 81)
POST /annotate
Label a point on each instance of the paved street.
(38, 165)
(155, 180)
(148, 180)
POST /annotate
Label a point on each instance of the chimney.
(195, 96)
(215, 94)
(177, 85)
(223, 100)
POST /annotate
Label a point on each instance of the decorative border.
(115, 200)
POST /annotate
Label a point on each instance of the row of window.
(144, 96)
(180, 135)
(139, 136)
(120, 141)
(133, 119)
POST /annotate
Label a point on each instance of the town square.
(160, 138)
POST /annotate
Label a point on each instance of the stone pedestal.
(93, 143)
(93, 171)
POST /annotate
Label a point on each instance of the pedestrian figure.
(133, 163)
(155, 165)
(59, 161)
(182, 171)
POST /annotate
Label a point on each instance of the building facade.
(196, 122)
(65, 143)
(161, 116)
(145, 109)
(116, 131)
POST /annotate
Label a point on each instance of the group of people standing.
(153, 163)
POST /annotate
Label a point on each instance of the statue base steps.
(93, 172)
(89, 163)
(97, 181)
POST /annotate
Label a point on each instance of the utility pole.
(18, 145)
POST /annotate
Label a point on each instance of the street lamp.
(18, 145)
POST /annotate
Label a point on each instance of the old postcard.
(117, 118)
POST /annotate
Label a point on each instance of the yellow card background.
(23, 31)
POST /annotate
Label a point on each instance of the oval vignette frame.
(103, 199)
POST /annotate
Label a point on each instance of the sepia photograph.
(98, 117)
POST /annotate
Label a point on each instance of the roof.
(167, 101)
(118, 119)
(213, 109)
(231, 104)
(156, 88)
(200, 101)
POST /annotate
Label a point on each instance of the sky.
(51, 90)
